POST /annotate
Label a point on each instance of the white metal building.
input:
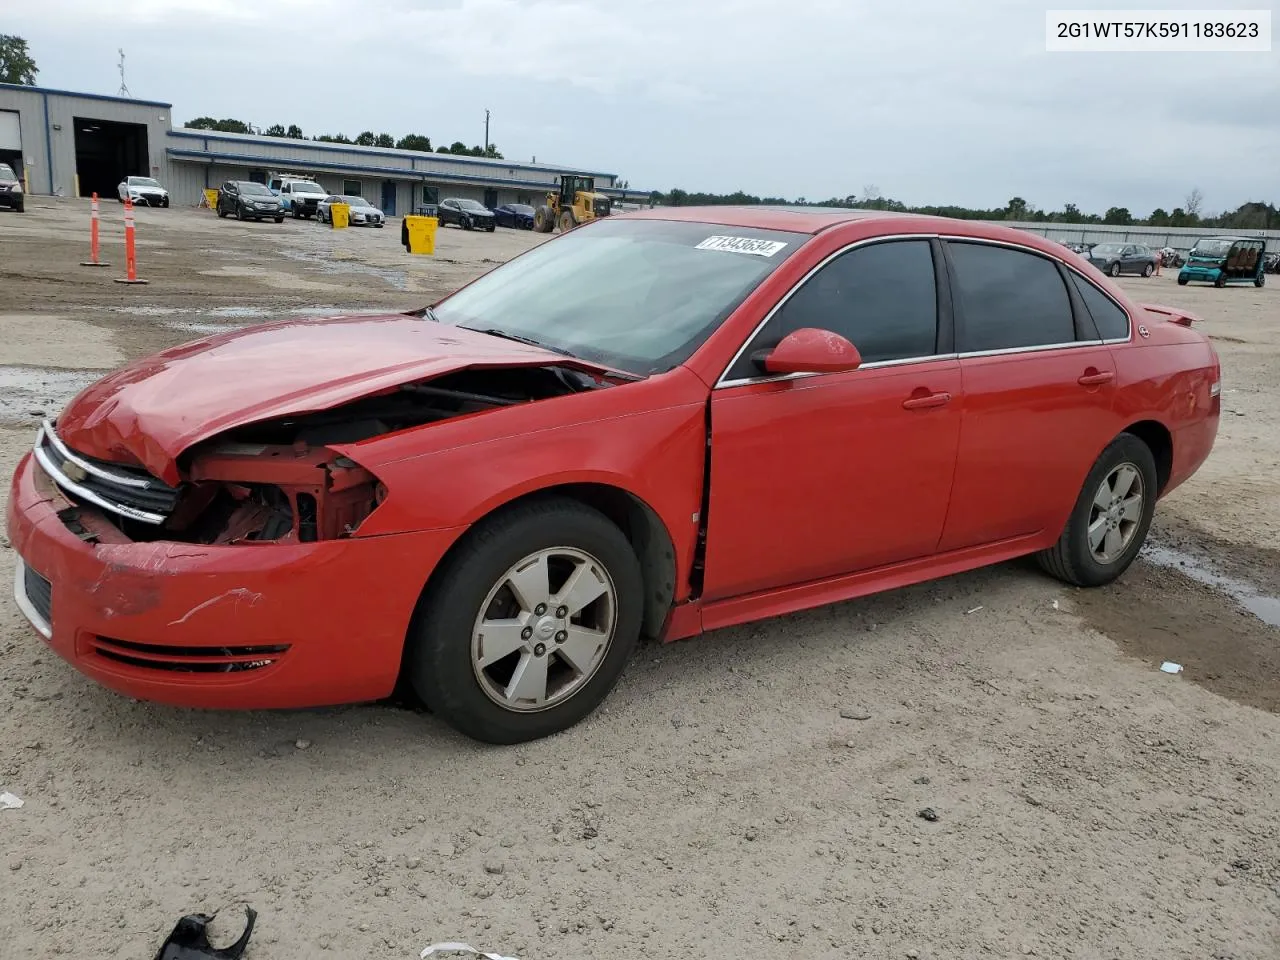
(75, 144)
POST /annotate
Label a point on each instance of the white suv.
(301, 196)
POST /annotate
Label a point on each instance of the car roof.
(814, 220)
(760, 217)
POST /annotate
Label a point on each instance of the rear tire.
(1182, 281)
(278, 219)
(1221, 280)
(567, 221)
(445, 638)
(1107, 527)
(1258, 281)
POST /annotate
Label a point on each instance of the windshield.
(520, 208)
(470, 205)
(305, 186)
(637, 295)
(143, 182)
(357, 201)
(250, 189)
(1107, 250)
(1211, 248)
(6, 172)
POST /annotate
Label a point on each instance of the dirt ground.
(1088, 805)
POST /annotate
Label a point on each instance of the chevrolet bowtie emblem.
(73, 471)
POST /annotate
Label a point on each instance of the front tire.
(1182, 281)
(529, 624)
(1115, 270)
(278, 219)
(543, 219)
(1258, 281)
(1221, 280)
(1110, 520)
(1148, 270)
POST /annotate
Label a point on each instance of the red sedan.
(655, 425)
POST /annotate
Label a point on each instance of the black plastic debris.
(190, 939)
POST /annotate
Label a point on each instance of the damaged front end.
(281, 480)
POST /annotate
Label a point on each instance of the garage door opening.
(11, 140)
(107, 152)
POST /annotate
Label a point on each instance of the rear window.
(1010, 299)
(1112, 322)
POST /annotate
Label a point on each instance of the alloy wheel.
(544, 629)
(1116, 513)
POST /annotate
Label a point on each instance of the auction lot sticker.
(757, 248)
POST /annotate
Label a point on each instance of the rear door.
(1039, 388)
(821, 475)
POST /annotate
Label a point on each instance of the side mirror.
(809, 350)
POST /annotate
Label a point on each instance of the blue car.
(516, 215)
(1224, 260)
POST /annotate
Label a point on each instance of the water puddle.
(30, 393)
(397, 278)
(1265, 608)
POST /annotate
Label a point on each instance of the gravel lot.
(1087, 804)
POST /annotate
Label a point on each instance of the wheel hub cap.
(544, 629)
(1116, 513)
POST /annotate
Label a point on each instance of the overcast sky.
(933, 101)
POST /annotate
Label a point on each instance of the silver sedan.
(363, 213)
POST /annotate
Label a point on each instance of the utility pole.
(486, 132)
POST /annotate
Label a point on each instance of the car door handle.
(1095, 378)
(926, 402)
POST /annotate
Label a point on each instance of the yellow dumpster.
(211, 198)
(340, 215)
(418, 234)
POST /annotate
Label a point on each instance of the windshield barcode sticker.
(757, 248)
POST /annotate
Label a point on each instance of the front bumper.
(150, 199)
(11, 198)
(226, 627)
(1209, 274)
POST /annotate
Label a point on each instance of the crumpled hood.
(152, 410)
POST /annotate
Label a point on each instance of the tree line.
(410, 141)
(1253, 215)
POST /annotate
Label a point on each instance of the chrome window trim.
(24, 602)
(62, 480)
(721, 382)
(47, 432)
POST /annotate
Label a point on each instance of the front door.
(491, 198)
(821, 475)
(1039, 387)
(389, 197)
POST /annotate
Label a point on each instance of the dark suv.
(468, 214)
(11, 194)
(249, 201)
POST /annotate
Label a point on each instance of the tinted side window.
(1010, 299)
(881, 297)
(1111, 321)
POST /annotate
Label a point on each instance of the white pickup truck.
(298, 196)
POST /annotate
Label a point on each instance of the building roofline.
(403, 173)
(84, 96)
(378, 151)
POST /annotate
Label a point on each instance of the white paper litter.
(9, 801)
(461, 948)
(1055, 605)
(974, 610)
(1170, 667)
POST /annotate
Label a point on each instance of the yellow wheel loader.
(577, 202)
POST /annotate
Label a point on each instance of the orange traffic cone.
(130, 254)
(93, 260)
